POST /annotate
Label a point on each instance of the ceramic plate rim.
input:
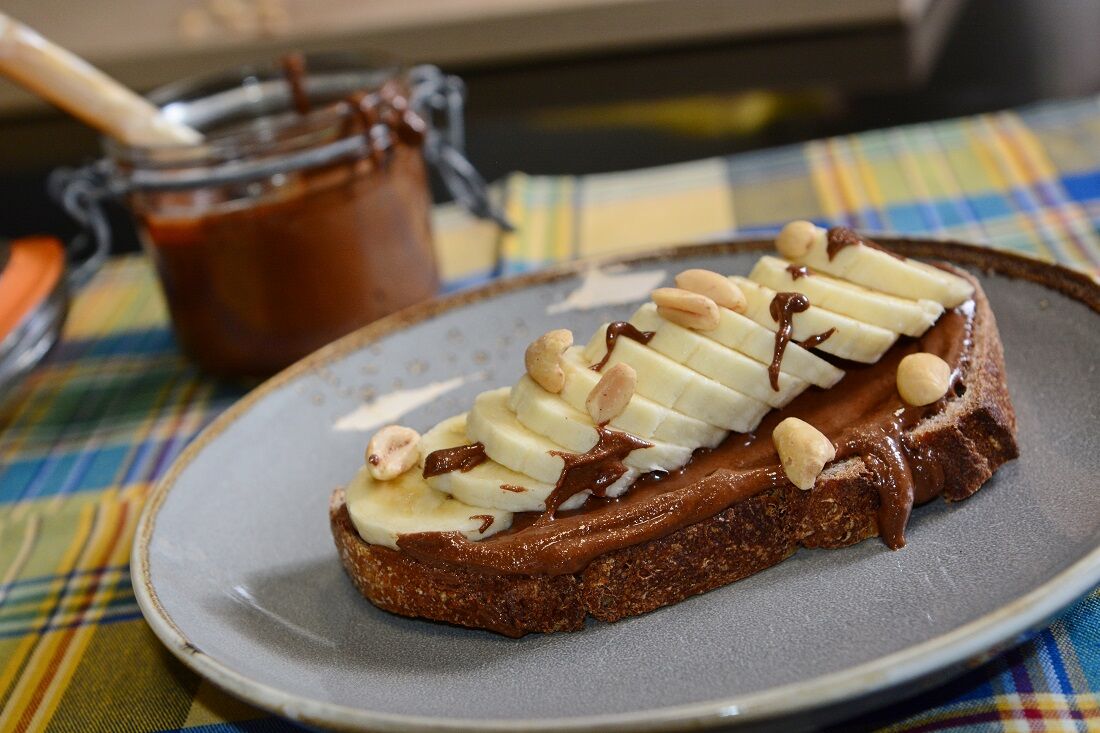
(946, 650)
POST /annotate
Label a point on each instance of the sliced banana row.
(545, 414)
(742, 334)
(711, 359)
(488, 484)
(910, 317)
(670, 383)
(805, 244)
(703, 372)
(642, 417)
(851, 339)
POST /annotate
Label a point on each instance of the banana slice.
(748, 337)
(712, 359)
(910, 317)
(880, 271)
(489, 484)
(642, 417)
(549, 415)
(853, 339)
(508, 442)
(383, 510)
(673, 385)
(492, 423)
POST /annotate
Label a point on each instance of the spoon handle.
(84, 91)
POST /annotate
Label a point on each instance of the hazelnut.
(687, 309)
(803, 450)
(795, 239)
(543, 359)
(923, 378)
(717, 287)
(393, 450)
(612, 393)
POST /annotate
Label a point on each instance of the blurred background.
(582, 86)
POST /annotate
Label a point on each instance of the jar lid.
(212, 103)
(258, 111)
(436, 97)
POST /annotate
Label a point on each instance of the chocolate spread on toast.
(862, 415)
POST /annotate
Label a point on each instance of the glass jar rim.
(255, 93)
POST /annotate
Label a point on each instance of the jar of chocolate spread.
(304, 213)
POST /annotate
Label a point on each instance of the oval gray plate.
(235, 569)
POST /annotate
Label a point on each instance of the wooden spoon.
(84, 91)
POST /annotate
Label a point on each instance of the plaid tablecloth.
(87, 435)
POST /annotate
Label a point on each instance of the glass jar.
(286, 227)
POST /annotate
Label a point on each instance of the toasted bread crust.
(972, 437)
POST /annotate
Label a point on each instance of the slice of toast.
(973, 435)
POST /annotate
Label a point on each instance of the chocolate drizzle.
(513, 488)
(364, 109)
(782, 308)
(460, 458)
(486, 522)
(389, 107)
(797, 271)
(905, 471)
(596, 469)
(614, 331)
(294, 71)
(396, 113)
(840, 237)
(816, 340)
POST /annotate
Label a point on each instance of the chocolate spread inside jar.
(261, 271)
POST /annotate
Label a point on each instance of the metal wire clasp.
(442, 98)
(81, 192)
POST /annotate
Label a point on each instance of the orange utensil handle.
(33, 269)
